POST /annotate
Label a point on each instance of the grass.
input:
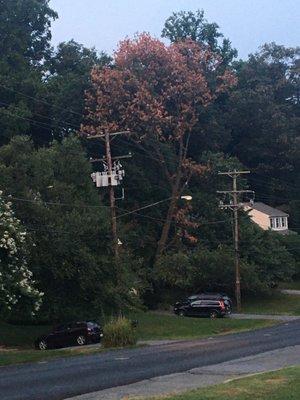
(21, 336)
(277, 303)
(290, 285)
(279, 385)
(153, 326)
(14, 356)
(17, 341)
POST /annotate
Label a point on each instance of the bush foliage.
(119, 332)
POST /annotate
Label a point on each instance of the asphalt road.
(59, 379)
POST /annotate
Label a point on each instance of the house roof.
(272, 212)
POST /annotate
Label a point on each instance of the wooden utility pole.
(112, 198)
(108, 159)
(234, 205)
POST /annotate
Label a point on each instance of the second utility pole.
(236, 244)
(234, 205)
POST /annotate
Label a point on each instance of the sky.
(247, 23)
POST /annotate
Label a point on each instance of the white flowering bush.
(17, 287)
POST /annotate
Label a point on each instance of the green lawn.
(8, 357)
(21, 335)
(280, 385)
(17, 341)
(277, 303)
(153, 326)
(290, 285)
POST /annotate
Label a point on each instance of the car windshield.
(60, 328)
(193, 298)
(92, 325)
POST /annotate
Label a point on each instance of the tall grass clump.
(119, 332)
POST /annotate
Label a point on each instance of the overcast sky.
(247, 23)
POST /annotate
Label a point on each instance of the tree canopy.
(155, 91)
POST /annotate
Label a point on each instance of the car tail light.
(222, 305)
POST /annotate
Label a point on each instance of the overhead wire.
(44, 116)
(264, 180)
(269, 182)
(41, 124)
(144, 207)
(40, 100)
(54, 203)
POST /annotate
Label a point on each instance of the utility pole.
(112, 198)
(235, 205)
(111, 181)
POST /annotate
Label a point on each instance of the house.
(268, 217)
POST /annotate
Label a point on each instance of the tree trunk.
(166, 228)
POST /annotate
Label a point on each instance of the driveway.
(63, 378)
(275, 317)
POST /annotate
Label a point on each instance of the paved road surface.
(274, 317)
(59, 379)
(291, 292)
(200, 377)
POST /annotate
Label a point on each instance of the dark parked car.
(211, 305)
(74, 333)
(218, 296)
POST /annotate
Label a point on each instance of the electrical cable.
(39, 100)
(46, 117)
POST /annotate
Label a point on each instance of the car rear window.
(81, 324)
(210, 302)
(61, 327)
(92, 325)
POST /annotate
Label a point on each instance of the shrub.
(119, 332)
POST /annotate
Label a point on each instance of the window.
(60, 328)
(278, 223)
(283, 222)
(272, 223)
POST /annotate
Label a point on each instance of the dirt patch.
(233, 391)
(277, 381)
(4, 349)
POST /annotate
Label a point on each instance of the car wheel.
(42, 345)
(181, 313)
(213, 315)
(81, 340)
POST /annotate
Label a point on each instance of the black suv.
(211, 305)
(74, 333)
(217, 296)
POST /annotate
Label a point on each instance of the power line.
(52, 203)
(41, 124)
(39, 100)
(265, 180)
(171, 157)
(44, 116)
(271, 197)
(144, 207)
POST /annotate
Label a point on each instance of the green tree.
(54, 197)
(69, 68)
(213, 130)
(18, 291)
(264, 263)
(24, 46)
(264, 119)
(193, 25)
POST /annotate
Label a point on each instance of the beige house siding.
(261, 219)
